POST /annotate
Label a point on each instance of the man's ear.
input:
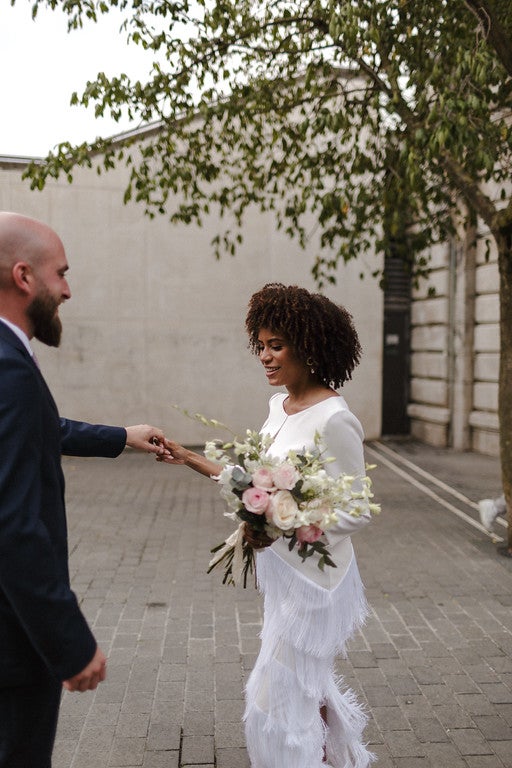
(23, 276)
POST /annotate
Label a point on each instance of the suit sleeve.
(343, 437)
(33, 578)
(82, 439)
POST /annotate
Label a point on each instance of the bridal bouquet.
(292, 497)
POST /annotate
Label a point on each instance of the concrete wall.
(155, 320)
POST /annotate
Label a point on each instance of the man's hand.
(87, 680)
(143, 437)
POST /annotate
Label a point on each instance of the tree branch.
(494, 32)
(480, 202)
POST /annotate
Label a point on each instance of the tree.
(335, 108)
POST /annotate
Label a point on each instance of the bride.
(297, 714)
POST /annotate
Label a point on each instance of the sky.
(41, 64)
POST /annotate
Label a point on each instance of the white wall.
(155, 320)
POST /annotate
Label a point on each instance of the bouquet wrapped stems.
(237, 557)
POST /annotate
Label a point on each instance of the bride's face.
(282, 366)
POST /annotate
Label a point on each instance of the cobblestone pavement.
(433, 664)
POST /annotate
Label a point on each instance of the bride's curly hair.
(321, 333)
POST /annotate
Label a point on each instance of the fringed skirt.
(305, 627)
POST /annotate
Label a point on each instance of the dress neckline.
(304, 410)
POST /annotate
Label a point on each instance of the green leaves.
(368, 115)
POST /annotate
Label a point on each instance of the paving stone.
(403, 685)
(404, 744)
(505, 711)
(164, 736)
(380, 696)
(429, 730)
(482, 673)
(363, 659)
(132, 725)
(460, 683)
(475, 704)
(385, 651)
(470, 741)
(390, 718)
(503, 749)
(127, 751)
(497, 693)
(444, 756)
(426, 675)
(230, 710)
(484, 761)
(453, 716)
(161, 759)
(438, 694)
(494, 728)
(229, 735)
(197, 750)
(232, 758)
(382, 755)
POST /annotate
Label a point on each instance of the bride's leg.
(284, 728)
(323, 715)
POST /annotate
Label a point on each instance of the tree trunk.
(504, 241)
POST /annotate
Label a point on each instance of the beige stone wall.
(429, 407)
(455, 349)
(155, 320)
(484, 414)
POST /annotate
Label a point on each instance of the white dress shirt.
(22, 336)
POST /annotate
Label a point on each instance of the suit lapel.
(9, 337)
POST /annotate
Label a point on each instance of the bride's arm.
(343, 437)
(185, 457)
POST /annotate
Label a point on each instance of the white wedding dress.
(309, 615)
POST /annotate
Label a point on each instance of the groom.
(45, 641)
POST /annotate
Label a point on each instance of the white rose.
(316, 514)
(285, 476)
(282, 510)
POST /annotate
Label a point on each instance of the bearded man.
(45, 641)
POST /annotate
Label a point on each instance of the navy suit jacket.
(40, 620)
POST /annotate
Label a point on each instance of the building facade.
(156, 322)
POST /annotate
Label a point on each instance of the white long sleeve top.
(342, 436)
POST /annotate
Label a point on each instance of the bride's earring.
(311, 365)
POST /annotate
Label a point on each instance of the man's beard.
(46, 324)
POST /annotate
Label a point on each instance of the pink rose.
(262, 478)
(255, 500)
(308, 533)
(285, 477)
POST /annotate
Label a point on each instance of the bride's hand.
(177, 453)
(256, 539)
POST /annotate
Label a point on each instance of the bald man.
(45, 641)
